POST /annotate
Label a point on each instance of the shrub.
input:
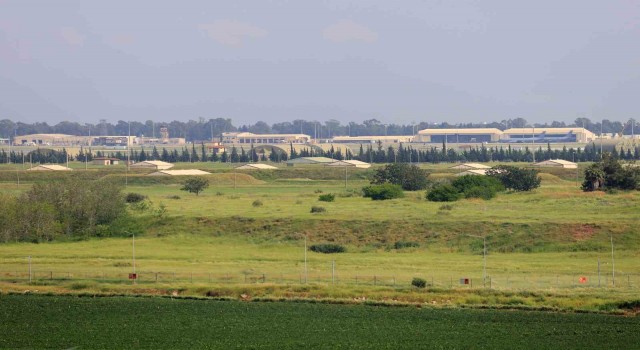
(257, 203)
(403, 244)
(467, 182)
(317, 191)
(133, 197)
(418, 282)
(409, 177)
(329, 197)
(514, 178)
(175, 196)
(443, 193)
(315, 209)
(327, 248)
(383, 192)
(480, 192)
(446, 207)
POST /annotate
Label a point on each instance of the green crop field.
(163, 323)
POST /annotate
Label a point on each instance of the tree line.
(369, 154)
(211, 129)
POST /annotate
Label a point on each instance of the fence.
(441, 280)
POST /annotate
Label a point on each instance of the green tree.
(383, 192)
(195, 185)
(409, 177)
(514, 178)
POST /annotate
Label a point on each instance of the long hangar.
(517, 135)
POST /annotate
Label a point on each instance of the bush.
(383, 192)
(315, 209)
(133, 197)
(418, 282)
(327, 248)
(257, 203)
(403, 244)
(175, 196)
(517, 179)
(485, 193)
(467, 182)
(446, 207)
(329, 197)
(409, 177)
(443, 193)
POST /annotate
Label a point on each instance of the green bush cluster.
(468, 186)
(316, 209)
(383, 192)
(405, 244)
(257, 203)
(418, 282)
(327, 248)
(133, 197)
(329, 197)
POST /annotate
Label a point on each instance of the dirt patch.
(583, 232)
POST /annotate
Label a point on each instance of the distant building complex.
(247, 137)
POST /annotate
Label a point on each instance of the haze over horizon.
(273, 61)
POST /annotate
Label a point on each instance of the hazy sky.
(396, 61)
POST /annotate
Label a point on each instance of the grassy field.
(162, 323)
(539, 244)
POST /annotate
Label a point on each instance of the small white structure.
(256, 166)
(310, 160)
(151, 164)
(49, 167)
(473, 172)
(470, 166)
(192, 172)
(350, 163)
(557, 163)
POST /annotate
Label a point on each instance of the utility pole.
(613, 265)
(305, 259)
(133, 245)
(126, 176)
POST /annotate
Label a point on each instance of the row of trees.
(369, 154)
(211, 128)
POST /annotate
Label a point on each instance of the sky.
(274, 61)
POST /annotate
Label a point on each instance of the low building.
(216, 148)
(473, 172)
(372, 139)
(4, 141)
(470, 166)
(547, 135)
(247, 137)
(256, 166)
(185, 172)
(152, 165)
(480, 135)
(49, 167)
(51, 140)
(350, 164)
(310, 161)
(105, 161)
(557, 163)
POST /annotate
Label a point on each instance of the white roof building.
(350, 163)
(151, 164)
(49, 167)
(470, 166)
(473, 172)
(557, 163)
(310, 160)
(256, 166)
(185, 172)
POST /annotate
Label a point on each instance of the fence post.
(156, 277)
(374, 280)
(263, 278)
(50, 275)
(394, 281)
